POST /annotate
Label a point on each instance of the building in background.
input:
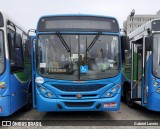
(136, 21)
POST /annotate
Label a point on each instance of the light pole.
(132, 16)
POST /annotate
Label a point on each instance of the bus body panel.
(154, 98)
(50, 104)
(14, 96)
(6, 82)
(5, 106)
(5, 93)
(18, 93)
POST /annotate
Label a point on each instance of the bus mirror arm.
(31, 30)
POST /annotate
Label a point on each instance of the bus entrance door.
(136, 72)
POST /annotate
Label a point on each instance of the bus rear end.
(77, 64)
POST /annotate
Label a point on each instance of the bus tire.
(128, 99)
(125, 87)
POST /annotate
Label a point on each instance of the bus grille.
(78, 88)
(75, 96)
(79, 104)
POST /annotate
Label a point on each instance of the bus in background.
(141, 72)
(15, 66)
(77, 64)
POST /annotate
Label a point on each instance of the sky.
(27, 12)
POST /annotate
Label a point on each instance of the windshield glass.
(78, 57)
(1, 53)
(156, 55)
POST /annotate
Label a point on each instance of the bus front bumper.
(154, 102)
(102, 104)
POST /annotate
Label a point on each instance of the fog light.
(49, 94)
(43, 90)
(155, 83)
(158, 90)
(108, 94)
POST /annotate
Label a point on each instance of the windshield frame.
(81, 33)
(153, 55)
(3, 40)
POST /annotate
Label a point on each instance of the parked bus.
(15, 66)
(77, 63)
(141, 72)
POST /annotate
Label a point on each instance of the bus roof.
(79, 15)
(143, 28)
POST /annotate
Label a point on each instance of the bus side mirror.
(125, 45)
(18, 41)
(148, 43)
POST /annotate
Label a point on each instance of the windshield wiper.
(93, 42)
(63, 42)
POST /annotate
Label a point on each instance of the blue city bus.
(141, 70)
(77, 63)
(15, 67)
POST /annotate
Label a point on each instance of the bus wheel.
(128, 99)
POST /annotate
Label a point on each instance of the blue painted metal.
(33, 57)
(60, 97)
(14, 96)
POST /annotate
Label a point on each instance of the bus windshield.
(156, 55)
(1, 53)
(78, 57)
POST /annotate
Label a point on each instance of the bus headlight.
(155, 83)
(49, 94)
(158, 90)
(46, 92)
(114, 89)
(43, 90)
(111, 92)
(108, 94)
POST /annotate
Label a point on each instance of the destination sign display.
(79, 23)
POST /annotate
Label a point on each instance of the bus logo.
(79, 96)
(84, 69)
